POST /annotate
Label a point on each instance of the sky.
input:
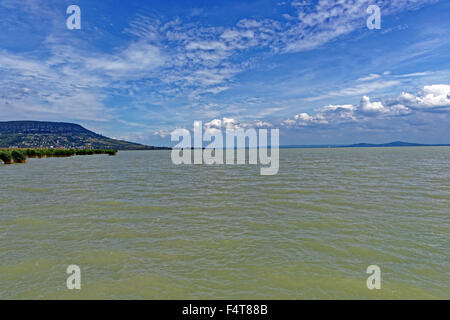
(137, 70)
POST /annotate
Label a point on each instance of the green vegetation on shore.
(6, 157)
(9, 156)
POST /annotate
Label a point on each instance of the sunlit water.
(140, 227)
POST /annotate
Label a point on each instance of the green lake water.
(140, 227)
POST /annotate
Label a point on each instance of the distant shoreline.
(395, 144)
(337, 146)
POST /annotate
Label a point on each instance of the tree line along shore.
(10, 156)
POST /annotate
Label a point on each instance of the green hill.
(40, 134)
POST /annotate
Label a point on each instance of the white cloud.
(262, 124)
(206, 45)
(433, 96)
(215, 123)
(288, 122)
(180, 131)
(368, 107)
(328, 19)
(370, 77)
(137, 60)
(361, 89)
(412, 75)
(337, 113)
(223, 124)
(304, 119)
(162, 133)
(233, 35)
(365, 88)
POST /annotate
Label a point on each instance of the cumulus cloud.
(262, 124)
(336, 113)
(431, 97)
(218, 125)
(161, 133)
(370, 114)
(368, 107)
(223, 124)
(304, 118)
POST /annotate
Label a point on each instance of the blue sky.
(139, 69)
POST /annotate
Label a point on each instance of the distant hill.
(369, 145)
(40, 134)
(392, 144)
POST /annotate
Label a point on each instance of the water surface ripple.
(141, 227)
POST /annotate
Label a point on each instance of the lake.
(140, 227)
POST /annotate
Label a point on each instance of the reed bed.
(10, 156)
